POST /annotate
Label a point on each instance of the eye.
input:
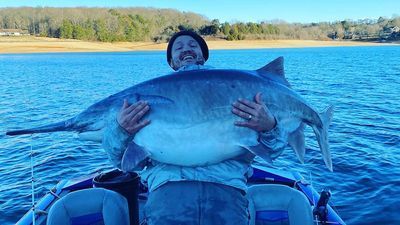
(178, 46)
(193, 44)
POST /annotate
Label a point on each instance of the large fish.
(191, 119)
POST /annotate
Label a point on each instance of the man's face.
(186, 51)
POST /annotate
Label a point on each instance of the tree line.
(151, 24)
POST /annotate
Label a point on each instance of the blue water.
(363, 83)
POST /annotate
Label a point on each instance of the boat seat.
(278, 204)
(92, 206)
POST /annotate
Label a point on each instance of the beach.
(30, 44)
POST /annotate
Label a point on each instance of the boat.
(323, 212)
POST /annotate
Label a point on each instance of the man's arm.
(115, 142)
(120, 131)
(258, 118)
(273, 140)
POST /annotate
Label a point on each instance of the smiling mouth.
(188, 56)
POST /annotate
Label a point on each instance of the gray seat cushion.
(107, 207)
(272, 197)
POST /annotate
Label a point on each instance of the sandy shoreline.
(28, 44)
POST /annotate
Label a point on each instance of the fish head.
(90, 124)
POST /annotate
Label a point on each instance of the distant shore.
(29, 44)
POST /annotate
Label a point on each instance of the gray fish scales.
(191, 119)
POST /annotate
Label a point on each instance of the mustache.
(186, 53)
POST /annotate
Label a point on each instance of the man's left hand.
(257, 115)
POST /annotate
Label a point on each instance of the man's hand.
(258, 117)
(130, 116)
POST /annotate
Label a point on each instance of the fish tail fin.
(321, 132)
(60, 126)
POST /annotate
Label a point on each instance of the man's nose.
(187, 48)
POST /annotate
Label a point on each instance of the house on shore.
(394, 29)
(13, 32)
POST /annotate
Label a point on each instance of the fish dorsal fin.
(274, 71)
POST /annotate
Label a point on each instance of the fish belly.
(195, 145)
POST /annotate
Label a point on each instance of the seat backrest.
(273, 198)
(90, 206)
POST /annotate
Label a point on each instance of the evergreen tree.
(66, 29)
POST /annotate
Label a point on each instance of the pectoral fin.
(296, 141)
(134, 157)
(261, 151)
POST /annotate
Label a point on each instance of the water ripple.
(361, 82)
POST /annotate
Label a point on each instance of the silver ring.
(250, 117)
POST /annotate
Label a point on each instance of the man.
(213, 194)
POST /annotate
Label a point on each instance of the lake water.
(363, 83)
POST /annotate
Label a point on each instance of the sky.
(303, 11)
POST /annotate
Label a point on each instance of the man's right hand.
(130, 116)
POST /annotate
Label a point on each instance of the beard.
(176, 64)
